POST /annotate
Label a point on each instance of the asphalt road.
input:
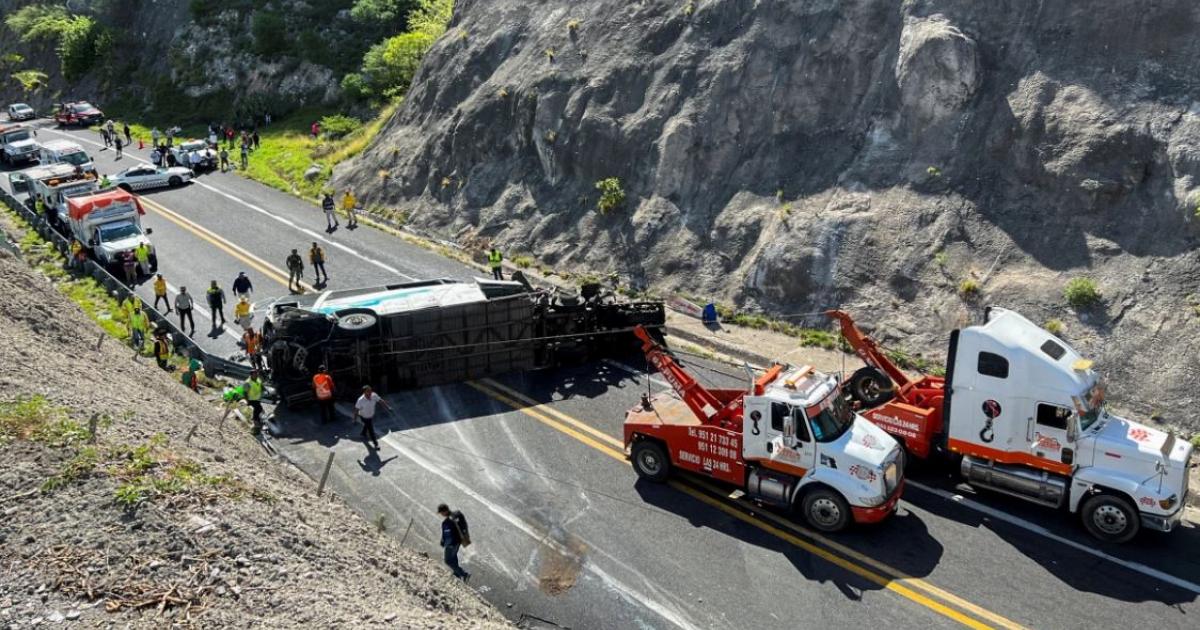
(565, 534)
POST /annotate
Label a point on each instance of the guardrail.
(213, 365)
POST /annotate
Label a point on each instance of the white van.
(67, 152)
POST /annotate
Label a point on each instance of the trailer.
(417, 334)
(1021, 413)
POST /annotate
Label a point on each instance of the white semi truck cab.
(1027, 414)
(109, 223)
(17, 144)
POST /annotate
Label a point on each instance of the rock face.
(792, 156)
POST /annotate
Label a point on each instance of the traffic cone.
(141, 145)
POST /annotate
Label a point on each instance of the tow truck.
(1024, 415)
(790, 440)
(55, 183)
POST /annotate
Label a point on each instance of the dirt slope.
(224, 537)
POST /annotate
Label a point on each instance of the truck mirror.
(789, 429)
(1072, 428)
(149, 231)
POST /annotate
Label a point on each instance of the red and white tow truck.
(1024, 413)
(791, 440)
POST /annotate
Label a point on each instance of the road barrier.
(213, 365)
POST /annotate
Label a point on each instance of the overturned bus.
(432, 332)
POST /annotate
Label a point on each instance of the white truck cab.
(1027, 414)
(61, 151)
(17, 144)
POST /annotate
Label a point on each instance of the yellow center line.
(887, 577)
(256, 263)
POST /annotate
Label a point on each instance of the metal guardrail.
(213, 365)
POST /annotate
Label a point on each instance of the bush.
(1081, 292)
(354, 86)
(270, 33)
(30, 80)
(612, 196)
(338, 125)
(389, 66)
(1054, 327)
(968, 287)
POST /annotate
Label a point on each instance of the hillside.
(913, 162)
(144, 528)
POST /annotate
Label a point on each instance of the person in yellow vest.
(78, 254)
(142, 253)
(495, 258)
(253, 389)
(160, 292)
(350, 205)
(162, 350)
(323, 389)
(128, 305)
(316, 256)
(138, 323)
(241, 313)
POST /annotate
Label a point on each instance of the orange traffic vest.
(251, 340)
(323, 384)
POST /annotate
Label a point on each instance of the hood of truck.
(865, 443)
(1134, 447)
(126, 244)
(23, 146)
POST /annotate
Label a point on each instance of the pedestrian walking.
(129, 266)
(110, 128)
(496, 260)
(253, 342)
(160, 293)
(455, 534)
(364, 411)
(254, 138)
(138, 323)
(324, 391)
(128, 135)
(316, 256)
(184, 304)
(349, 205)
(162, 349)
(241, 313)
(328, 205)
(253, 388)
(155, 134)
(295, 266)
(245, 157)
(142, 254)
(224, 160)
(216, 303)
(119, 144)
(106, 137)
(242, 287)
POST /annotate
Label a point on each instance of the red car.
(81, 113)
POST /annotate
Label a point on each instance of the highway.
(564, 533)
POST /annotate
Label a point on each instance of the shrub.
(612, 196)
(1054, 327)
(523, 262)
(1081, 292)
(1195, 440)
(941, 258)
(9, 60)
(573, 25)
(338, 125)
(389, 66)
(968, 287)
(270, 33)
(355, 87)
(430, 18)
(30, 80)
(933, 171)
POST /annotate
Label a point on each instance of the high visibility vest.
(241, 310)
(254, 389)
(348, 201)
(104, 183)
(495, 257)
(143, 253)
(316, 255)
(129, 306)
(251, 343)
(137, 321)
(162, 349)
(160, 287)
(76, 248)
(323, 385)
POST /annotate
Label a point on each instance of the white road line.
(284, 220)
(1007, 518)
(1042, 531)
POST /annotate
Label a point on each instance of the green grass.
(810, 337)
(1081, 292)
(522, 261)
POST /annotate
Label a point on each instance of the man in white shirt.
(364, 410)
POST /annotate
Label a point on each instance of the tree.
(270, 33)
(31, 80)
(388, 67)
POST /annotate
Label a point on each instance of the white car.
(196, 152)
(143, 177)
(21, 111)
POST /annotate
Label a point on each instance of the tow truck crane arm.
(867, 350)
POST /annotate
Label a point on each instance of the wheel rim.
(825, 512)
(648, 461)
(869, 388)
(1110, 519)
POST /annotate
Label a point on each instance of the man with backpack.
(455, 534)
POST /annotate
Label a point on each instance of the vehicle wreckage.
(417, 334)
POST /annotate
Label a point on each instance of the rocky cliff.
(912, 161)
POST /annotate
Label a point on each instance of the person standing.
(184, 304)
(349, 205)
(241, 313)
(324, 391)
(327, 205)
(162, 349)
(254, 139)
(253, 342)
(110, 128)
(142, 254)
(245, 157)
(155, 134)
(105, 137)
(253, 388)
(224, 159)
(138, 323)
(315, 130)
(454, 535)
(78, 254)
(128, 135)
(295, 266)
(160, 292)
(496, 260)
(316, 256)
(119, 144)
(242, 287)
(216, 303)
(364, 411)
(155, 157)
(129, 266)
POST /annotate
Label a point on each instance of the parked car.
(21, 111)
(197, 153)
(144, 177)
(81, 113)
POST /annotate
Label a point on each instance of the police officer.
(216, 303)
(494, 259)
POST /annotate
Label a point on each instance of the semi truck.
(17, 144)
(109, 223)
(1021, 413)
(789, 440)
(55, 184)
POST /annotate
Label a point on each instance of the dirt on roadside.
(138, 526)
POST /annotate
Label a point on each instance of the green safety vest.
(104, 183)
(142, 253)
(40, 205)
(137, 321)
(254, 389)
(495, 257)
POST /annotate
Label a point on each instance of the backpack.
(460, 524)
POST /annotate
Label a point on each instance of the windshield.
(78, 158)
(118, 232)
(17, 136)
(1091, 408)
(831, 418)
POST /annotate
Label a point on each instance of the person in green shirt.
(138, 323)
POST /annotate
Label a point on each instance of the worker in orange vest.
(324, 390)
(253, 342)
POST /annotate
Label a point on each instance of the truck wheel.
(356, 322)
(871, 386)
(826, 510)
(174, 181)
(1110, 518)
(650, 462)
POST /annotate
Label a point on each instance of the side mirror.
(1072, 428)
(789, 430)
(149, 231)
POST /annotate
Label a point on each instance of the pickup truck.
(78, 113)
